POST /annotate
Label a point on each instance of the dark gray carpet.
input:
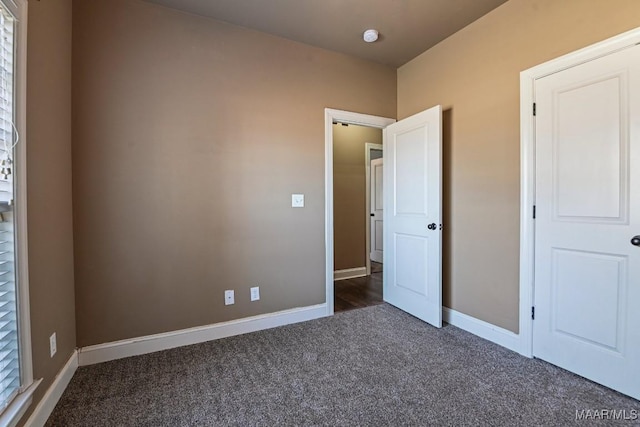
(375, 366)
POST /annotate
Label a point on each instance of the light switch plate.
(297, 200)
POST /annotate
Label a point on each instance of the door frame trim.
(527, 165)
(368, 147)
(331, 115)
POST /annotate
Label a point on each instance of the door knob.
(373, 214)
(635, 240)
(431, 226)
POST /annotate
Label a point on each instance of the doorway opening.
(358, 210)
(335, 261)
(412, 225)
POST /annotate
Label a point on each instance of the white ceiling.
(407, 27)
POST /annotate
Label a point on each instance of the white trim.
(368, 147)
(19, 9)
(527, 201)
(21, 235)
(12, 415)
(485, 330)
(43, 411)
(158, 342)
(527, 165)
(331, 115)
(349, 273)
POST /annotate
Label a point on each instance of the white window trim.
(17, 408)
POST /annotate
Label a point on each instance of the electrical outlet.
(229, 298)
(53, 346)
(255, 293)
(297, 200)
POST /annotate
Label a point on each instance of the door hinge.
(533, 313)
(534, 211)
(534, 108)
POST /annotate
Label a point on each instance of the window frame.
(12, 414)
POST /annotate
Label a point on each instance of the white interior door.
(587, 268)
(376, 207)
(412, 276)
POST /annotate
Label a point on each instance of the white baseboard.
(53, 394)
(349, 273)
(482, 329)
(152, 343)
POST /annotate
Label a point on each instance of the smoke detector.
(370, 36)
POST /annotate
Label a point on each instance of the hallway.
(359, 292)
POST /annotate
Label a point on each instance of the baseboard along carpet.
(375, 366)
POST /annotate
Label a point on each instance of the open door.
(413, 215)
(376, 201)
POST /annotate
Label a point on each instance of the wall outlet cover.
(297, 200)
(255, 293)
(229, 297)
(53, 345)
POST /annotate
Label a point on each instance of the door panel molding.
(527, 166)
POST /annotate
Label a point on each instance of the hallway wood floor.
(360, 291)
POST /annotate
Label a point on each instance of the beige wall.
(49, 187)
(474, 74)
(190, 136)
(349, 186)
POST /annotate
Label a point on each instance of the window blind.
(9, 354)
